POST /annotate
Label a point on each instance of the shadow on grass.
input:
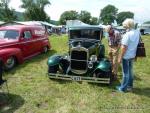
(142, 91)
(110, 86)
(60, 81)
(9, 103)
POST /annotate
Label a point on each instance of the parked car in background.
(120, 29)
(20, 42)
(144, 29)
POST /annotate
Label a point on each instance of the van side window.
(27, 34)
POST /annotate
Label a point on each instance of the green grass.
(31, 91)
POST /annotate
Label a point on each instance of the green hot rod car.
(85, 60)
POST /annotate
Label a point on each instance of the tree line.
(34, 10)
(107, 16)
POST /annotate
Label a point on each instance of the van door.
(39, 38)
(27, 43)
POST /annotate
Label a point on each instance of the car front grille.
(78, 65)
(79, 60)
(79, 55)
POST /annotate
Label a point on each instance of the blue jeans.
(127, 70)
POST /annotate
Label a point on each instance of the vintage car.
(20, 42)
(85, 60)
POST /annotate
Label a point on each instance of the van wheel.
(10, 63)
(45, 49)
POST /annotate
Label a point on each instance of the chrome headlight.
(93, 58)
(90, 65)
(66, 56)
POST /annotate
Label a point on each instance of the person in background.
(129, 44)
(1, 72)
(114, 39)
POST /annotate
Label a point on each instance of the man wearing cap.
(114, 40)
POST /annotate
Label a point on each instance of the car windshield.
(9, 34)
(85, 33)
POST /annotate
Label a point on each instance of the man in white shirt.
(129, 44)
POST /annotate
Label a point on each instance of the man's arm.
(123, 50)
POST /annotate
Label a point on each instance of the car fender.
(54, 60)
(6, 53)
(104, 65)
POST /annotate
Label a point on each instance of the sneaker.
(119, 89)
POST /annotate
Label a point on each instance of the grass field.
(31, 91)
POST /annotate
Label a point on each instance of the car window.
(2, 34)
(9, 34)
(27, 34)
(85, 33)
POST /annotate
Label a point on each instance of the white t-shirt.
(131, 40)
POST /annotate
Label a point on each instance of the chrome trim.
(23, 42)
(79, 48)
(90, 65)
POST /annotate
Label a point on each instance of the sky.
(140, 8)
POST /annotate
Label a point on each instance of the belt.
(113, 45)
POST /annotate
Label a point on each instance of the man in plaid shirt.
(114, 41)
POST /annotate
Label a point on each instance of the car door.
(27, 43)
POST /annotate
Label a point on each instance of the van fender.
(8, 52)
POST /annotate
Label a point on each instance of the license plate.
(76, 78)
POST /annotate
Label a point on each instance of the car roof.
(85, 27)
(19, 27)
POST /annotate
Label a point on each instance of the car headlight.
(93, 58)
(90, 65)
(67, 57)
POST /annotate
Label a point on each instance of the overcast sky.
(141, 8)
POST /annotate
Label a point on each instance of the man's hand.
(119, 61)
(122, 52)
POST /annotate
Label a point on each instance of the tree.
(94, 21)
(68, 15)
(123, 15)
(34, 10)
(85, 17)
(6, 14)
(108, 14)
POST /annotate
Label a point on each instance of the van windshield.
(9, 34)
